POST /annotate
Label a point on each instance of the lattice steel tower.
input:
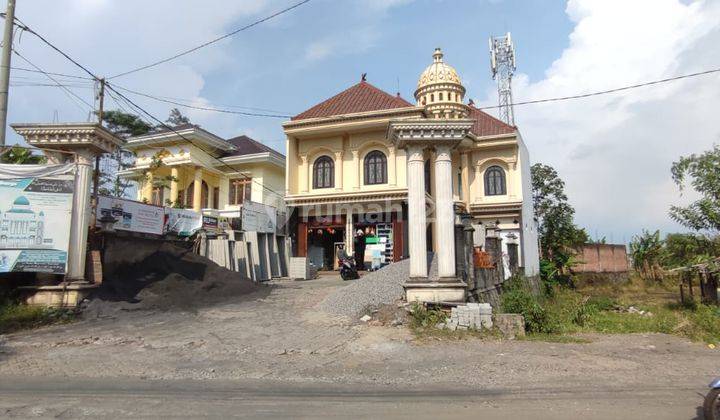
(502, 65)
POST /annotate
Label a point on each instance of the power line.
(23, 26)
(54, 74)
(186, 100)
(66, 89)
(220, 38)
(203, 108)
(169, 128)
(604, 92)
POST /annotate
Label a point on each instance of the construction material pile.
(374, 289)
(142, 274)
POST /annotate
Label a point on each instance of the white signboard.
(182, 222)
(132, 215)
(257, 217)
(35, 214)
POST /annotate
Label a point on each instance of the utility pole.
(100, 112)
(5, 67)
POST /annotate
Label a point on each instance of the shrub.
(519, 300)
(422, 317)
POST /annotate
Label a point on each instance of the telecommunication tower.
(502, 65)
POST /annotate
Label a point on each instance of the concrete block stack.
(470, 316)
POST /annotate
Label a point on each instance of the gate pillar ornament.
(415, 136)
(84, 141)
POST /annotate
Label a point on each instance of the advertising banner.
(182, 222)
(257, 217)
(35, 213)
(132, 215)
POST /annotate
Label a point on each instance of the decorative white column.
(444, 214)
(197, 190)
(356, 168)
(392, 171)
(224, 193)
(304, 176)
(339, 170)
(465, 179)
(80, 218)
(175, 178)
(417, 240)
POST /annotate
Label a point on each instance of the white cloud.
(615, 151)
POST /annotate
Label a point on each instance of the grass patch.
(16, 317)
(605, 310)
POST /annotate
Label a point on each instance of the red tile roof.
(246, 146)
(487, 125)
(362, 97)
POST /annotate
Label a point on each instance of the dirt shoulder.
(278, 334)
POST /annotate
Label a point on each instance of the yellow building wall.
(506, 158)
(348, 153)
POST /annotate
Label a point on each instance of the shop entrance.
(322, 245)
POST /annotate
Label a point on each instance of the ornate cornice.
(346, 198)
(428, 132)
(69, 136)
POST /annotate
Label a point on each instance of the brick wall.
(602, 258)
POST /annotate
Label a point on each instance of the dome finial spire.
(438, 55)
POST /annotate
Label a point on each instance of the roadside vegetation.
(15, 316)
(635, 307)
(649, 302)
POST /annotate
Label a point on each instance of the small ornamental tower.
(440, 91)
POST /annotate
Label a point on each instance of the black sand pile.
(142, 274)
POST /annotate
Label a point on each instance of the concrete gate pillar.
(444, 213)
(414, 136)
(417, 240)
(85, 141)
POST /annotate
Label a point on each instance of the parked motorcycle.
(711, 408)
(347, 269)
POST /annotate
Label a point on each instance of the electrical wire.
(203, 108)
(173, 130)
(54, 74)
(66, 89)
(604, 92)
(205, 44)
(186, 100)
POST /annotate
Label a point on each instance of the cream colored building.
(365, 159)
(201, 171)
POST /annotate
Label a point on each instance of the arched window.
(375, 168)
(323, 172)
(495, 181)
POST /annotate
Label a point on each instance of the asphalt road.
(124, 398)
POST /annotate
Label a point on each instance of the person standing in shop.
(360, 249)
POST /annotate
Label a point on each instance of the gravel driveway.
(281, 335)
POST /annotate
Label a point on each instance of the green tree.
(556, 228)
(123, 125)
(703, 172)
(177, 118)
(646, 251)
(553, 213)
(21, 155)
(681, 249)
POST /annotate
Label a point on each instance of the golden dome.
(438, 72)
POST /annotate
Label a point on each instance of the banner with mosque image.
(35, 211)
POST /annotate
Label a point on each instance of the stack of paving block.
(470, 316)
